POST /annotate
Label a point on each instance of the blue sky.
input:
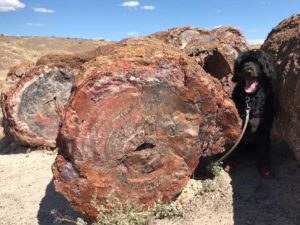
(118, 19)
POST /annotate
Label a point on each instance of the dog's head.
(253, 69)
(250, 75)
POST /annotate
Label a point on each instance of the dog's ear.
(236, 70)
(268, 65)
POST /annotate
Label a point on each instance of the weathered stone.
(141, 115)
(283, 42)
(231, 36)
(35, 94)
(32, 106)
(214, 50)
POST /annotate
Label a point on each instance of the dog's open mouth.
(251, 85)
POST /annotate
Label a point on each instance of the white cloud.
(256, 41)
(43, 10)
(218, 26)
(35, 24)
(131, 4)
(148, 7)
(10, 5)
(133, 33)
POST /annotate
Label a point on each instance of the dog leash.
(228, 153)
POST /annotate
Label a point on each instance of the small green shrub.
(115, 214)
(207, 187)
(216, 169)
(161, 211)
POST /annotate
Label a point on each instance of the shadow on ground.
(53, 200)
(8, 147)
(261, 201)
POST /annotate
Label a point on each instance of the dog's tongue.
(250, 86)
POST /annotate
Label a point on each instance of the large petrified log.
(141, 115)
(283, 42)
(214, 50)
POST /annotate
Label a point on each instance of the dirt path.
(27, 193)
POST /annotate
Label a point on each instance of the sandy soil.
(27, 192)
(242, 198)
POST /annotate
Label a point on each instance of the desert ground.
(27, 192)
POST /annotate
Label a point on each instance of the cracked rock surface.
(34, 97)
(283, 43)
(32, 107)
(215, 50)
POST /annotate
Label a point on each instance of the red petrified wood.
(35, 95)
(215, 50)
(140, 117)
(283, 42)
(32, 107)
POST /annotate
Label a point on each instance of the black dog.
(254, 74)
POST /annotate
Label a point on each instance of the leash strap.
(227, 154)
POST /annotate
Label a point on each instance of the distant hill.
(17, 50)
(255, 46)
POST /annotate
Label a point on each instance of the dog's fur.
(261, 100)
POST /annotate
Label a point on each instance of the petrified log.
(35, 96)
(231, 36)
(283, 42)
(140, 117)
(31, 108)
(214, 50)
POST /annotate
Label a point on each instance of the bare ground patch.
(27, 193)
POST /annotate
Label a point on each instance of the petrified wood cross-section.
(32, 108)
(141, 115)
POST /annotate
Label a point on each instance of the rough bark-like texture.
(32, 107)
(231, 36)
(139, 119)
(283, 43)
(35, 95)
(214, 50)
(15, 74)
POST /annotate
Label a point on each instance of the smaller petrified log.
(141, 115)
(283, 43)
(36, 94)
(31, 107)
(231, 36)
(214, 50)
(12, 78)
